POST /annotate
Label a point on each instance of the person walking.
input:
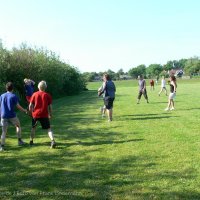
(163, 86)
(8, 102)
(142, 89)
(41, 108)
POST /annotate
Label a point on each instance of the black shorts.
(108, 102)
(43, 121)
(142, 92)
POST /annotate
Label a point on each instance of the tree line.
(191, 67)
(38, 64)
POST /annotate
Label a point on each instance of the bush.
(39, 64)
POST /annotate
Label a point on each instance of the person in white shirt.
(163, 86)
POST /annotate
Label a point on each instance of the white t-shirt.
(163, 83)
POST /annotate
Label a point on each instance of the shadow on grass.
(86, 164)
(148, 116)
(105, 142)
(102, 178)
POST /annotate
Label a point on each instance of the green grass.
(145, 153)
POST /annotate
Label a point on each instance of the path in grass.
(145, 153)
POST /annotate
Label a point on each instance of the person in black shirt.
(172, 94)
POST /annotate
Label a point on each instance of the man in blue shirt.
(8, 102)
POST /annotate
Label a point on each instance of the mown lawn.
(145, 153)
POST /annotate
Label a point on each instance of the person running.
(152, 84)
(108, 92)
(41, 108)
(142, 89)
(172, 94)
(29, 88)
(8, 102)
(163, 86)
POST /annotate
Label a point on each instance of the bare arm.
(21, 109)
(174, 84)
(50, 110)
(30, 107)
(144, 85)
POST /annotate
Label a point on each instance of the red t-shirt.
(40, 100)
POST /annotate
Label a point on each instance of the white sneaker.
(103, 115)
(166, 109)
(172, 108)
(1, 148)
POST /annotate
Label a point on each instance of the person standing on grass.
(163, 86)
(152, 84)
(142, 89)
(8, 102)
(172, 95)
(41, 108)
(29, 88)
(108, 92)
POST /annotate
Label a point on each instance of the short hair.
(42, 85)
(25, 80)
(9, 86)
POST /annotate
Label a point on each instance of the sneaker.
(172, 108)
(31, 142)
(1, 148)
(109, 120)
(53, 144)
(21, 142)
(103, 115)
(166, 109)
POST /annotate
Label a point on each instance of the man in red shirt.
(41, 109)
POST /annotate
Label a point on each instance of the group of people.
(40, 105)
(172, 94)
(39, 108)
(108, 90)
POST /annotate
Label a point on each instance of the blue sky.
(97, 35)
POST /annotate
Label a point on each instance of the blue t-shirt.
(109, 89)
(29, 89)
(8, 101)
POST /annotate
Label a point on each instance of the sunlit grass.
(145, 153)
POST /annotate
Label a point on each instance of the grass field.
(145, 153)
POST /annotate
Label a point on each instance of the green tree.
(154, 70)
(139, 70)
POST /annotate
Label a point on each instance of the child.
(41, 108)
(152, 84)
(29, 88)
(8, 102)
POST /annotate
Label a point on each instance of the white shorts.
(172, 95)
